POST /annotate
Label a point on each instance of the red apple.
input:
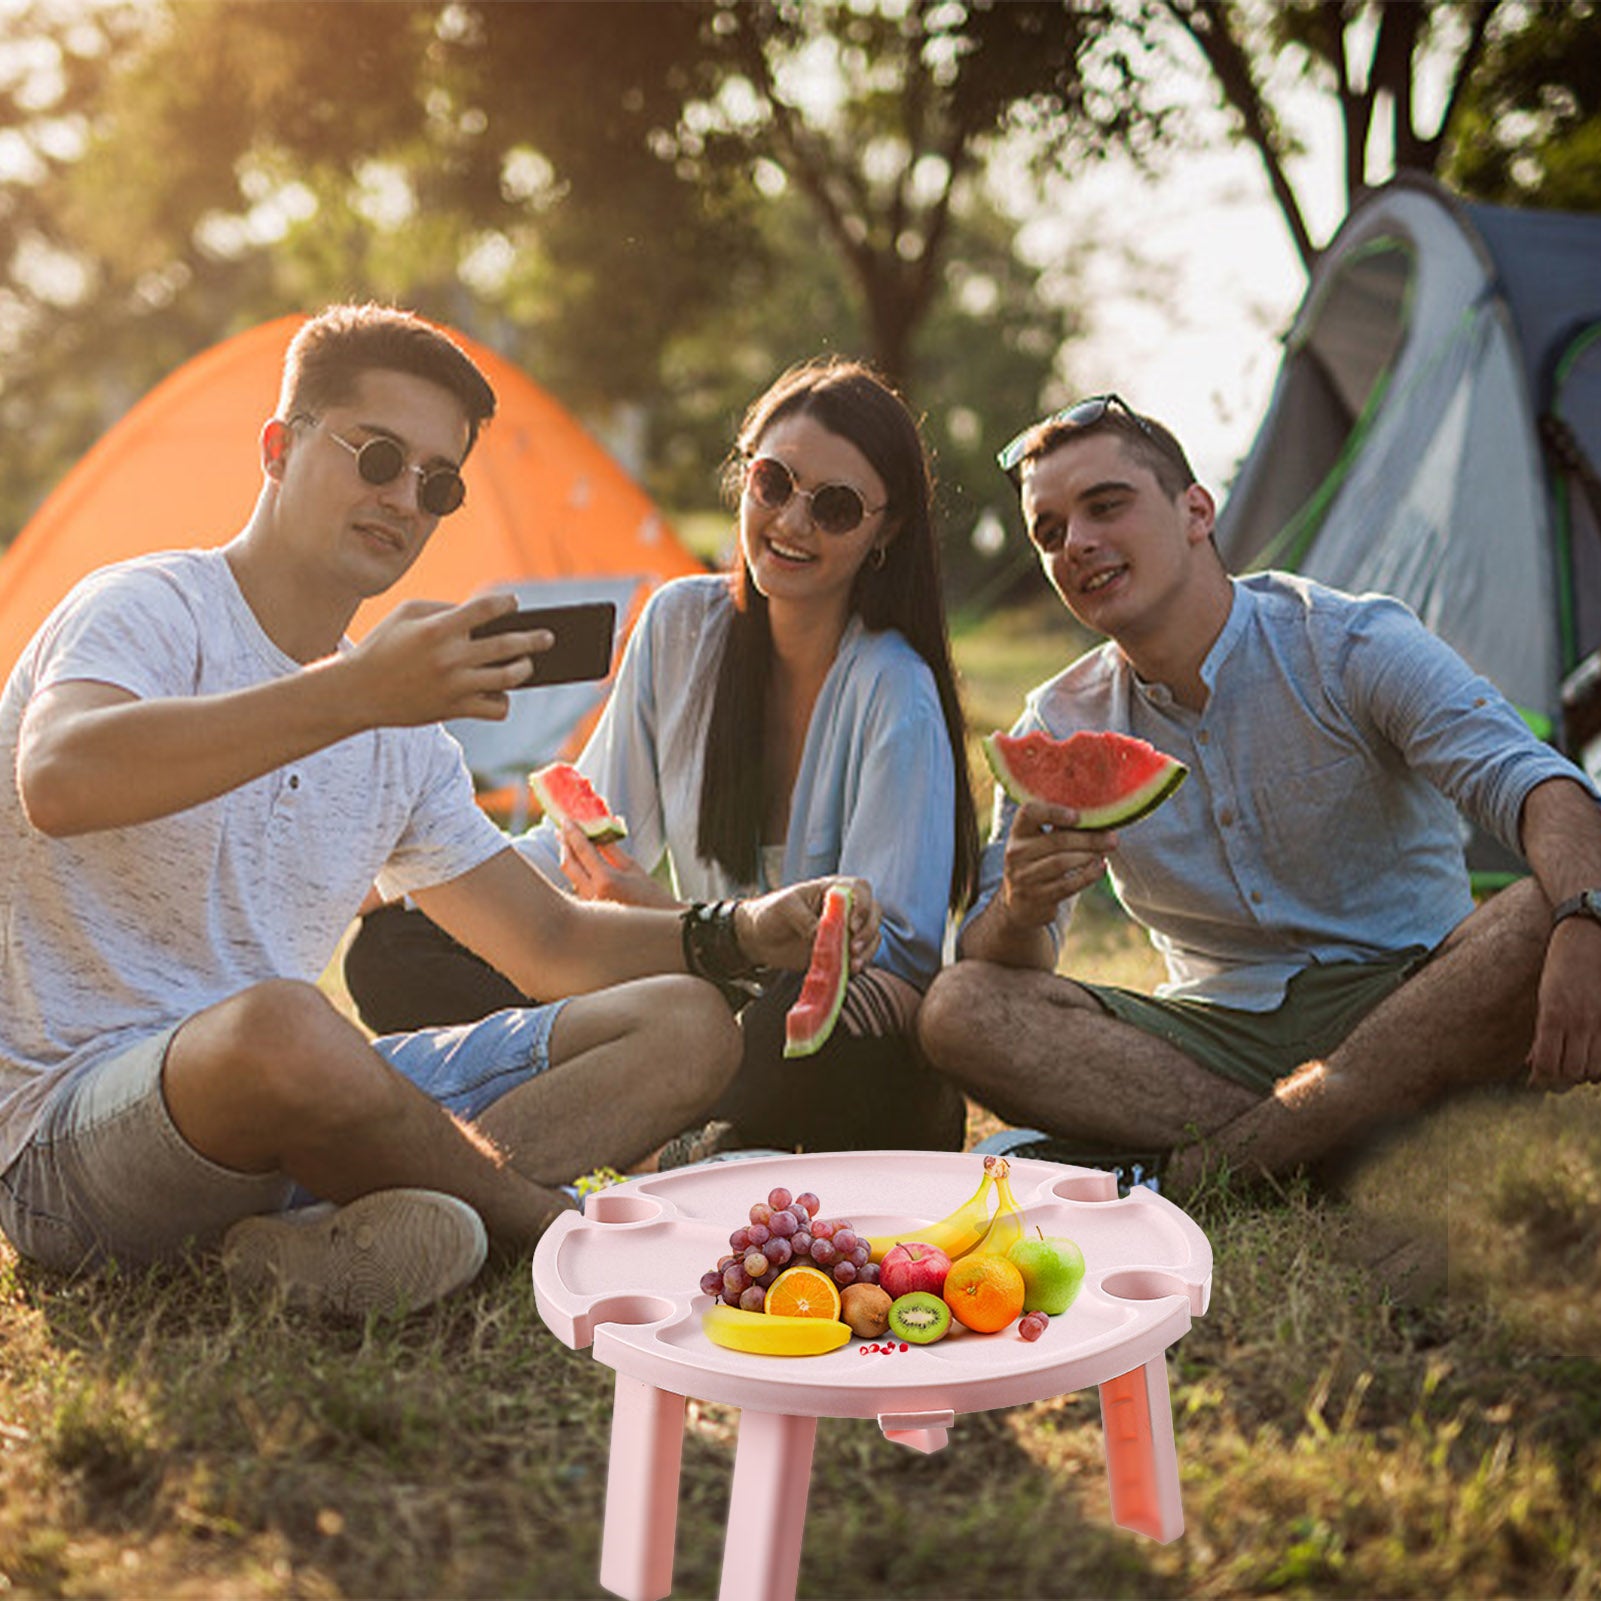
(912, 1265)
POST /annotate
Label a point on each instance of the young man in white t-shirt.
(203, 778)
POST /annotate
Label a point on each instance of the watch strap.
(1587, 903)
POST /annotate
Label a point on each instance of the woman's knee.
(404, 972)
(679, 1022)
(694, 1024)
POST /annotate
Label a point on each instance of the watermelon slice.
(1108, 779)
(811, 1019)
(564, 794)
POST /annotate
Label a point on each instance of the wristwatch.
(1587, 903)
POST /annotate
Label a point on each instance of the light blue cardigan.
(874, 796)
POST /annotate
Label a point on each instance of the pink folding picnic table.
(625, 1276)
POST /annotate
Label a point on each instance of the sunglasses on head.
(381, 460)
(1081, 414)
(834, 508)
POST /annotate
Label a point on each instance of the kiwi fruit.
(865, 1308)
(919, 1318)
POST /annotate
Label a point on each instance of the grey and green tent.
(1434, 433)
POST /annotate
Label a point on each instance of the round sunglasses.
(380, 460)
(834, 508)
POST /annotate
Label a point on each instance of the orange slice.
(802, 1291)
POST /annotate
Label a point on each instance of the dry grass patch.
(159, 1439)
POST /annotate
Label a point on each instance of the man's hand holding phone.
(582, 637)
(428, 661)
(425, 663)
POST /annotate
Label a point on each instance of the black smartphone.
(583, 647)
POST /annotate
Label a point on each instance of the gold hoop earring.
(880, 556)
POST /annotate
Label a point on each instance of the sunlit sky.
(1193, 334)
(1195, 281)
(1190, 331)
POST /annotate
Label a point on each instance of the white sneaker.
(391, 1251)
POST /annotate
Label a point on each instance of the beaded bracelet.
(711, 945)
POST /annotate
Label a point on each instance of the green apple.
(1052, 1269)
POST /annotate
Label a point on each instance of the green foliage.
(987, 354)
(1531, 123)
(919, 93)
(105, 1441)
(648, 204)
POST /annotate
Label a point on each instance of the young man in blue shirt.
(1328, 971)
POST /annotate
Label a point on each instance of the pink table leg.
(647, 1445)
(767, 1511)
(1142, 1462)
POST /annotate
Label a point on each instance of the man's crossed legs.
(204, 1134)
(1041, 1050)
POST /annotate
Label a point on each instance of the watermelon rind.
(810, 1021)
(565, 795)
(1136, 802)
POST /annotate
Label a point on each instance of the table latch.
(921, 1431)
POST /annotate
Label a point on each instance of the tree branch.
(1394, 52)
(793, 142)
(1327, 34)
(1209, 24)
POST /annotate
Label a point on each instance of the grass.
(1335, 1439)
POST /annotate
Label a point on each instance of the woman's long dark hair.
(849, 399)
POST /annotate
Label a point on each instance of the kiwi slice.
(919, 1318)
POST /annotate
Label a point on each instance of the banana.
(768, 1334)
(1006, 1229)
(955, 1234)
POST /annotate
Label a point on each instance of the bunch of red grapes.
(783, 1230)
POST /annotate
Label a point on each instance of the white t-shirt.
(111, 936)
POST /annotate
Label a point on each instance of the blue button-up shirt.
(1320, 821)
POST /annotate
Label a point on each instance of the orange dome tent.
(549, 514)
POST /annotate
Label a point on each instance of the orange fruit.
(984, 1292)
(803, 1291)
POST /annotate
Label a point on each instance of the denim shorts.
(1256, 1049)
(106, 1174)
(467, 1067)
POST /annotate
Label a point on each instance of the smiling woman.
(795, 718)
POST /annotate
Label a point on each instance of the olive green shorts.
(1321, 1006)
